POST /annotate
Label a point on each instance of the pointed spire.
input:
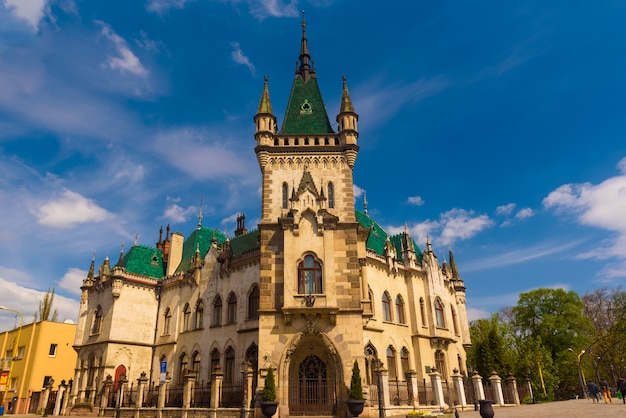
(265, 105)
(429, 247)
(90, 274)
(200, 214)
(455, 271)
(305, 70)
(346, 101)
(106, 266)
(120, 262)
(136, 238)
(365, 202)
(167, 233)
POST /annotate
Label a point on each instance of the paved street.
(571, 409)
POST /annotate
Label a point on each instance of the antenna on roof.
(136, 237)
(200, 214)
(364, 202)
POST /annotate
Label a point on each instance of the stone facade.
(316, 286)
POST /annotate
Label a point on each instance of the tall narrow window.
(285, 196)
(370, 298)
(441, 323)
(454, 322)
(309, 276)
(217, 311)
(186, 317)
(386, 307)
(167, 319)
(53, 350)
(404, 361)
(422, 312)
(195, 361)
(182, 366)
(253, 303)
(229, 365)
(400, 309)
(391, 363)
(440, 364)
(215, 360)
(199, 319)
(232, 308)
(331, 195)
(97, 320)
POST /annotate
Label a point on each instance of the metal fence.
(201, 396)
(232, 394)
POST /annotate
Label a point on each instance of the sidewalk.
(580, 408)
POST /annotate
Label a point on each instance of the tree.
(356, 390)
(490, 349)
(45, 308)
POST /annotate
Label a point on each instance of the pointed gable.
(200, 240)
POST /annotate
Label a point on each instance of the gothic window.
(370, 298)
(440, 363)
(422, 312)
(229, 365)
(167, 319)
(215, 359)
(199, 319)
(309, 276)
(404, 361)
(217, 311)
(91, 370)
(182, 366)
(454, 321)
(386, 307)
(97, 320)
(186, 317)
(232, 308)
(285, 195)
(253, 303)
(371, 359)
(400, 310)
(331, 195)
(391, 363)
(441, 323)
(195, 361)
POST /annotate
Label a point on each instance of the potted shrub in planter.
(355, 403)
(268, 397)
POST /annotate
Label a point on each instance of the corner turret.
(264, 119)
(347, 118)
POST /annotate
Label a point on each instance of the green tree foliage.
(269, 390)
(45, 312)
(356, 390)
(490, 349)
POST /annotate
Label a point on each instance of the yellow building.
(44, 351)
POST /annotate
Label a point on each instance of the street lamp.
(15, 350)
(581, 379)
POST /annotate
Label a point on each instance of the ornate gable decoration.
(306, 183)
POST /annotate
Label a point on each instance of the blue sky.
(494, 127)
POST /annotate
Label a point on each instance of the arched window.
(97, 320)
(199, 319)
(186, 317)
(232, 308)
(331, 195)
(370, 298)
(391, 363)
(217, 311)
(371, 364)
(404, 361)
(229, 365)
(285, 196)
(422, 312)
(400, 310)
(91, 370)
(195, 361)
(441, 323)
(440, 364)
(167, 319)
(454, 321)
(182, 366)
(386, 307)
(215, 360)
(253, 303)
(309, 276)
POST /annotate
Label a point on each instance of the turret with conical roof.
(264, 119)
(347, 117)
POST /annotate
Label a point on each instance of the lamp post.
(379, 364)
(581, 380)
(15, 351)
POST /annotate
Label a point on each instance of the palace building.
(316, 286)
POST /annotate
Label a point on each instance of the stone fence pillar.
(496, 381)
(457, 381)
(216, 386)
(59, 399)
(435, 382)
(411, 381)
(106, 391)
(384, 382)
(163, 392)
(529, 388)
(141, 389)
(477, 381)
(511, 386)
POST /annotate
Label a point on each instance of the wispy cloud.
(68, 209)
(163, 6)
(125, 61)
(177, 214)
(505, 209)
(601, 206)
(72, 280)
(239, 57)
(415, 200)
(32, 11)
(273, 8)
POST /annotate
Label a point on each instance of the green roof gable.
(378, 237)
(145, 261)
(306, 113)
(396, 240)
(199, 239)
(244, 243)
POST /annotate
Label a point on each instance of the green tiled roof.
(306, 113)
(244, 243)
(377, 237)
(144, 260)
(199, 239)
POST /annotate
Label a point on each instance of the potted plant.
(355, 403)
(268, 397)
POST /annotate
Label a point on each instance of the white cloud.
(524, 214)
(357, 191)
(459, 224)
(30, 10)
(68, 209)
(505, 209)
(126, 61)
(72, 280)
(601, 206)
(273, 8)
(162, 6)
(178, 214)
(415, 200)
(239, 57)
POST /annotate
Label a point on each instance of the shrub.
(356, 390)
(269, 390)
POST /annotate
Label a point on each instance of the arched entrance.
(313, 379)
